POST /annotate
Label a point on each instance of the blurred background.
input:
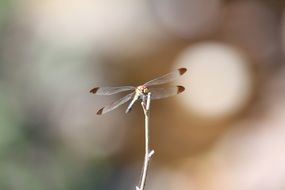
(226, 131)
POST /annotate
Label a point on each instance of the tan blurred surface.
(226, 131)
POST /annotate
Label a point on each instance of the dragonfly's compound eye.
(145, 90)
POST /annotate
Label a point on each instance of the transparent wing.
(115, 104)
(158, 93)
(167, 77)
(111, 90)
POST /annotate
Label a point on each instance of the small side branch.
(148, 154)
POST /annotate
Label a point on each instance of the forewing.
(167, 77)
(158, 93)
(115, 104)
(111, 90)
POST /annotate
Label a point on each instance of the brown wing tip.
(94, 90)
(99, 112)
(180, 89)
(182, 71)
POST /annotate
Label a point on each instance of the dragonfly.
(140, 92)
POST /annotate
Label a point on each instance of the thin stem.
(148, 154)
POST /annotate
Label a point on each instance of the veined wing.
(158, 93)
(111, 90)
(167, 77)
(115, 104)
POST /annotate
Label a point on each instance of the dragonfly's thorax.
(140, 94)
(142, 90)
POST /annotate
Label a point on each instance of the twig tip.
(150, 153)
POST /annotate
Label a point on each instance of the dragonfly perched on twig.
(140, 92)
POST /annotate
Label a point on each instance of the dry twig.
(148, 154)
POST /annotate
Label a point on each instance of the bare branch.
(148, 154)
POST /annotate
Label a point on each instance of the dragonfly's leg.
(146, 102)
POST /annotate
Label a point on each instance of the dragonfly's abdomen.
(130, 106)
(141, 91)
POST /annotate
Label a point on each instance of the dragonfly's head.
(143, 89)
